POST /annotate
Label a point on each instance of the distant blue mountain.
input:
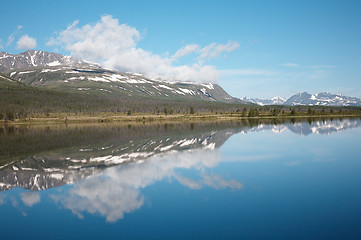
(307, 99)
(322, 99)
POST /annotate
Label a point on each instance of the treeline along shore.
(20, 103)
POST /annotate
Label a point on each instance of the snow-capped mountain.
(322, 99)
(262, 102)
(34, 58)
(307, 99)
(96, 80)
(38, 68)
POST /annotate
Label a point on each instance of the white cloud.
(26, 42)
(290, 65)
(214, 50)
(114, 46)
(191, 48)
(30, 198)
(11, 38)
(97, 42)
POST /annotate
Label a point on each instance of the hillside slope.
(55, 71)
(95, 80)
(18, 100)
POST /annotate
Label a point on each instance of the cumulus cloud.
(97, 42)
(26, 42)
(30, 198)
(114, 45)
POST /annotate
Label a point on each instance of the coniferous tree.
(309, 111)
(244, 112)
(191, 110)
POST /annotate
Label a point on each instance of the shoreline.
(152, 118)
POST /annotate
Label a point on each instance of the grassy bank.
(64, 118)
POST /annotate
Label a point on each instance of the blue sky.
(251, 48)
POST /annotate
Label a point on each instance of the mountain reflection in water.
(109, 165)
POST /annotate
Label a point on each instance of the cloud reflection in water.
(117, 190)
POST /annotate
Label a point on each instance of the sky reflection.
(117, 190)
(106, 181)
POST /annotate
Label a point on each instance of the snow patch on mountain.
(307, 99)
(263, 102)
(322, 99)
(33, 58)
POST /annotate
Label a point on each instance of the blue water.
(261, 182)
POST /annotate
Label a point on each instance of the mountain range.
(307, 99)
(34, 58)
(68, 74)
(262, 102)
(55, 71)
(322, 99)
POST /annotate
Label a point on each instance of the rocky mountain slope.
(37, 68)
(34, 58)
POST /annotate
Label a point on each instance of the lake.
(259, 179)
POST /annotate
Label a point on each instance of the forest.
(20, 101)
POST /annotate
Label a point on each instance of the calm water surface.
(233, 180)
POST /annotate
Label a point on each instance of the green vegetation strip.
(63, 118)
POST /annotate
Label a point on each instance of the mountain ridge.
(259, 101)
(307, 99)
(35, 58)
(51, 70)
(66, 73)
